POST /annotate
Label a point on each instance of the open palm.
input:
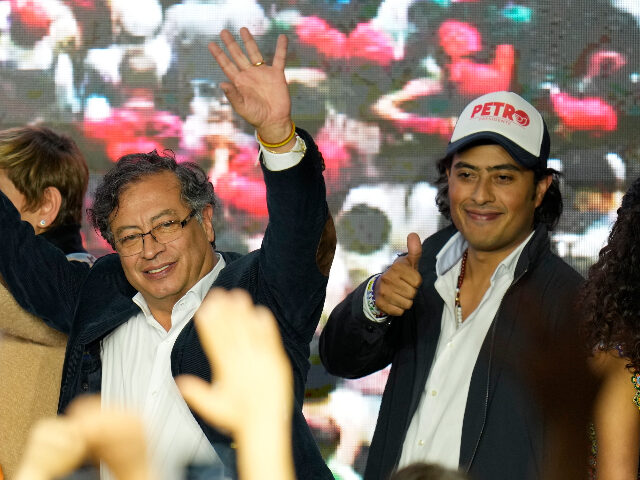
(257, 92)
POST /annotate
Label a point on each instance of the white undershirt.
(435, 431)
(136, 369)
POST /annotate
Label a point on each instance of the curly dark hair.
(548, 212)
(196, 189)
(611, 295)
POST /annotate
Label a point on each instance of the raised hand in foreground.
(59, 445)
(251, 394)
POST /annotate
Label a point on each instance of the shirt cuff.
(281, 161)
(369, 303)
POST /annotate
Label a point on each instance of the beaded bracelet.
(371, 298)
(635, 379)
(280, 144)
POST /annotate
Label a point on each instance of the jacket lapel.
(102, 313)
(496, 352)
(428, 324)
(427, 311)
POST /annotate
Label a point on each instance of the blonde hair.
(35, 158)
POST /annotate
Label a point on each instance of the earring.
(42, 223)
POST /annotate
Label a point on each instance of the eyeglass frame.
(141, 236)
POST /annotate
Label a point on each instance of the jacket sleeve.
(298, 245)
(353, 346)
(37, 274)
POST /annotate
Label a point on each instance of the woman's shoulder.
(612, 368)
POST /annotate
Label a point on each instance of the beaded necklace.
(458, 306)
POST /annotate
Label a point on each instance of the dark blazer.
(288, 274)
(502, 433)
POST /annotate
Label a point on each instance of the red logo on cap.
(521, 117)
(501, 109)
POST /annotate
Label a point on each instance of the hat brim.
(519, 154)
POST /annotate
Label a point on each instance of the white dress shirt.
(136, 375)
(435, 431)
(136, 369)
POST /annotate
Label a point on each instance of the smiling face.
(493, 198)
(163, 273)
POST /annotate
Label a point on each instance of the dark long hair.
(611, 295)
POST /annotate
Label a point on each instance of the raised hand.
(251, 373)
(58, 445)
(397, 287)
(258, 92)
(251, 396)
(115, 437)
(55, 448)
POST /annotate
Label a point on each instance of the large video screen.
(377, 83)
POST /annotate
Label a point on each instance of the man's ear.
(541, 188)
(207, 222)
(46, 213)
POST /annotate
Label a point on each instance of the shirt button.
(421, 442)
(434, 393)
(85, 386)
(449, 344)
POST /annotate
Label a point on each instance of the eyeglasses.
(163, 233)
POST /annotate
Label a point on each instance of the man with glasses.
(129, 317)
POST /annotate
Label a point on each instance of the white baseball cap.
(510, 121)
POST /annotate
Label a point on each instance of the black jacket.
(503, 432)
(288, 274)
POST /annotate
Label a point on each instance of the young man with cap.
(459, 314)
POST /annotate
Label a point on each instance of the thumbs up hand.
(397, 287)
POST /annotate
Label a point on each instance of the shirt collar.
(199, 290)
(451, 253)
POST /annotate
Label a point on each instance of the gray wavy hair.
(196, 189)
